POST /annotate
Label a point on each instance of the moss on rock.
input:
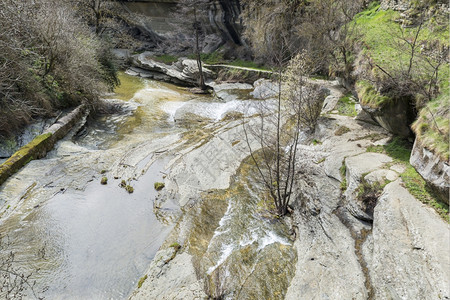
(37, 148)
(432, 126)
(369, 96)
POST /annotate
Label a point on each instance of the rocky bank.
(339, 244)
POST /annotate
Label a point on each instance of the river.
(93, 241)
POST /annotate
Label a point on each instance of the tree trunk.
(197, 50)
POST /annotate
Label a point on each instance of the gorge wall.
(223, 23)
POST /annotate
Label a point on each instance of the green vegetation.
(375, 148)
(342, 130)
(316, 142)
(368, 95)
(432, 126)
(48, 64)
(123, 184)
(104, 180)
(165, 58)
(159, 186)
(37, 148)
(248, 64)
(217, 58)
(343, 172)
(368, 193)
(346, 106)
(400, 151)
(141, 281)
(176, 246)
(210, 58)
(103, 171)
(320, 160)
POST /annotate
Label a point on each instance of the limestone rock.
(395, 117)
(170, 280)
(433, 169)
(184, 71)
(408, 256)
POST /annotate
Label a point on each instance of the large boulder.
(184, 71)
(433, 169)
(395, 116)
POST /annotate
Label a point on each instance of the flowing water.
(84, 240)
(93, 241)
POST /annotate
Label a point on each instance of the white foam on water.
(271, 238)
(226, 252)
(171, 107)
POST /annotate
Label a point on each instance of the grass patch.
(369, 96)
(379, 30)
(432, 125)
(346, 106)
(342, 130)
(176, 246)
(417, 186)
(141, 281)
(376, 149)
(320, 160)
(400, 151)
(165, 58)
(248, 64)
(316, 142)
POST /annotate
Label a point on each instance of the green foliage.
(316, 142)
(346, 106)
(432, 125)
(108, 67)
(369, 96)
(176, 246)
(104, 180)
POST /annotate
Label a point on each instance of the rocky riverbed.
(207, 233)
(335, 245)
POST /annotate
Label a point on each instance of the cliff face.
(222, 20)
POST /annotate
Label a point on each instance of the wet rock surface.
(214, 236)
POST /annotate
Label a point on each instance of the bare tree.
(48, 59)
(191, 22)
(420, 59)
(14, 282)
(280, 123)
